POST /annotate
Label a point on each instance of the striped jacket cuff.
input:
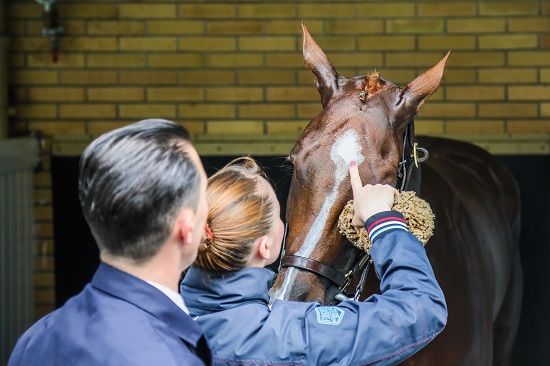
(385, 222)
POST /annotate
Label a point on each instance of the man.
(142, 190)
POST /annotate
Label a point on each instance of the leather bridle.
(342, 280)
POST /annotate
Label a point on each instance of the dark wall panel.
(533, 176)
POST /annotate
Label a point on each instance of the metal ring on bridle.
(424, 157)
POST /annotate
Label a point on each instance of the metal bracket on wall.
(51, 29)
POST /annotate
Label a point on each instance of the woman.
(227, 288)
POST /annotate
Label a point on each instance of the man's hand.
(369, 200)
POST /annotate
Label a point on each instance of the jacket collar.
(135, 291)
(205, 291)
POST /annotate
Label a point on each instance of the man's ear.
(184, 227)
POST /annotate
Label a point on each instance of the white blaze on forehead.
(346, 149)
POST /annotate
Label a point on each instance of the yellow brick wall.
(236, 68)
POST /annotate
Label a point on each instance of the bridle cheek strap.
(409, 159)
(283, 248)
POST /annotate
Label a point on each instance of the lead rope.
(365, 259)
(362, 280)
(360, 286)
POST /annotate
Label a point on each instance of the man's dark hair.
(133, 181)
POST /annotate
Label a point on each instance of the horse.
(474, 249)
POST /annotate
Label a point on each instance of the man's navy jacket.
(117, 319)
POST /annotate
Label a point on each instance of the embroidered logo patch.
(330, 315)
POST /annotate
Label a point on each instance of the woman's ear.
(263, 247)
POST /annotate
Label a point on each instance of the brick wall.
(223, 67)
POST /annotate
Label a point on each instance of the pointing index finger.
(355, 179)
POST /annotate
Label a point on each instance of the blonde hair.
(240, 210)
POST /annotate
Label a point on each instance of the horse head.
(364, 119)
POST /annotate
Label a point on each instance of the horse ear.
(421, 88)
(326, 77)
